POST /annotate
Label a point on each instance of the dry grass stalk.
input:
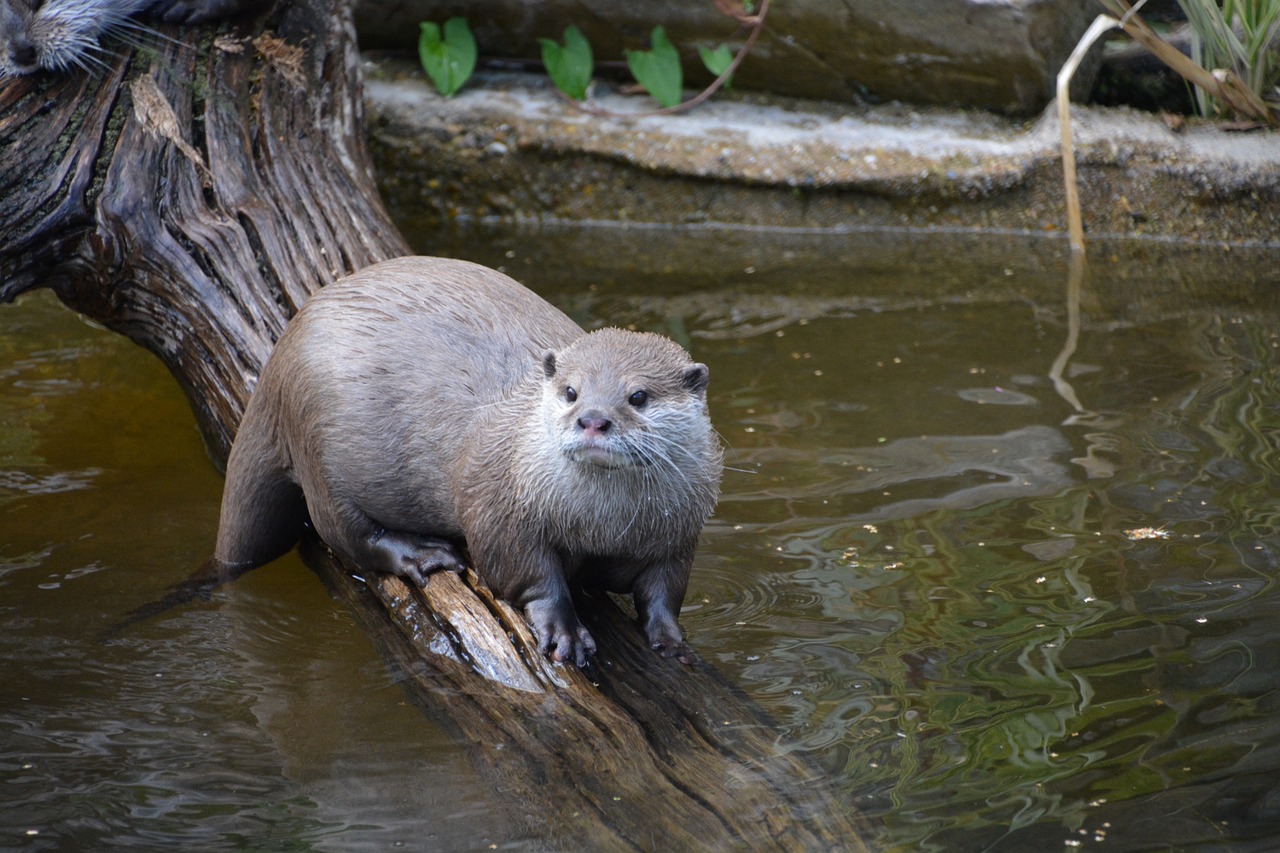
(1075, 222)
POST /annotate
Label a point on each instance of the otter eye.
(570, 394)
(639, 398)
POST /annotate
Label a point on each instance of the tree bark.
(191, 197)
(201, 251)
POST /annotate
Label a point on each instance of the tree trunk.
(193, 202)
(191, 197)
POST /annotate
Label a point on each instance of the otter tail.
(200, 585)
(263, 514)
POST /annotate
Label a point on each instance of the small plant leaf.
(658, 69)
(570, 65)
(717, 61)
(448, 57)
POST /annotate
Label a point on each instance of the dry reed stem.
(1075, 222)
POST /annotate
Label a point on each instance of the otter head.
(617, 399)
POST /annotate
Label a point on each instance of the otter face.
(616, 399)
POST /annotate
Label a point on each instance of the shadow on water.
(1012, 594)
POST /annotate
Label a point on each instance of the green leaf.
(448, 57)
(658, 69)
(717, 61)
(570, 65)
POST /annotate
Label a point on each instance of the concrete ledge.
(510, 147)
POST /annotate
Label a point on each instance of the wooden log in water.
(634, 752)
(191, 197)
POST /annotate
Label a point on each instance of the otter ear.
(695, 378)
(549, 364)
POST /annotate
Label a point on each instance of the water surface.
(1003, 613)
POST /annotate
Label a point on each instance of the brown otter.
(424, 402)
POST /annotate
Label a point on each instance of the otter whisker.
(137, 34)
(60, 35)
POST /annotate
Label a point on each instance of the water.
(1003, 613)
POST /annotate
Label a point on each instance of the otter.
(58, 35)
(422, 406)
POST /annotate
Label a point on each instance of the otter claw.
(562, 643)
(679, 651)
(665, 639)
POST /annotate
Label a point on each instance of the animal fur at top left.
(59, 35)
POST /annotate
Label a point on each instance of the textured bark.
(191, 198)
(199, 251)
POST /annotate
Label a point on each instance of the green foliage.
(717, 61)
(570, 65)
(1242, 36)
(448, 57)
(658, 69)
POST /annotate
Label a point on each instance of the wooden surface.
(191, 198)
(634, 752)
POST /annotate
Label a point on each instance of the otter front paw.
(561, 636)
(665, 638)
(413, 556)
(671, 645)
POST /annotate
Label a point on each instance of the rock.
(756, 162)
(1131, 75)
(999, 55)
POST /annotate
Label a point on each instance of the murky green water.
(1000, 620)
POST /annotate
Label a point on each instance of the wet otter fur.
(58, 35)
(423, 403)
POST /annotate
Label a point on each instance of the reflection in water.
(1095, 460)
(24, 482)
(1076, 270)
(1017, 670)
(948, 472)
(259, 721)
(1039, 626)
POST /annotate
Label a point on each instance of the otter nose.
(594, 423)
(22, 54)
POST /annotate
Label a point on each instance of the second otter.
(422, 402)
(58, 35)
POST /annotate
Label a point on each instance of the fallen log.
(191, 197)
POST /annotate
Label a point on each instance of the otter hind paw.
(414, 556)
